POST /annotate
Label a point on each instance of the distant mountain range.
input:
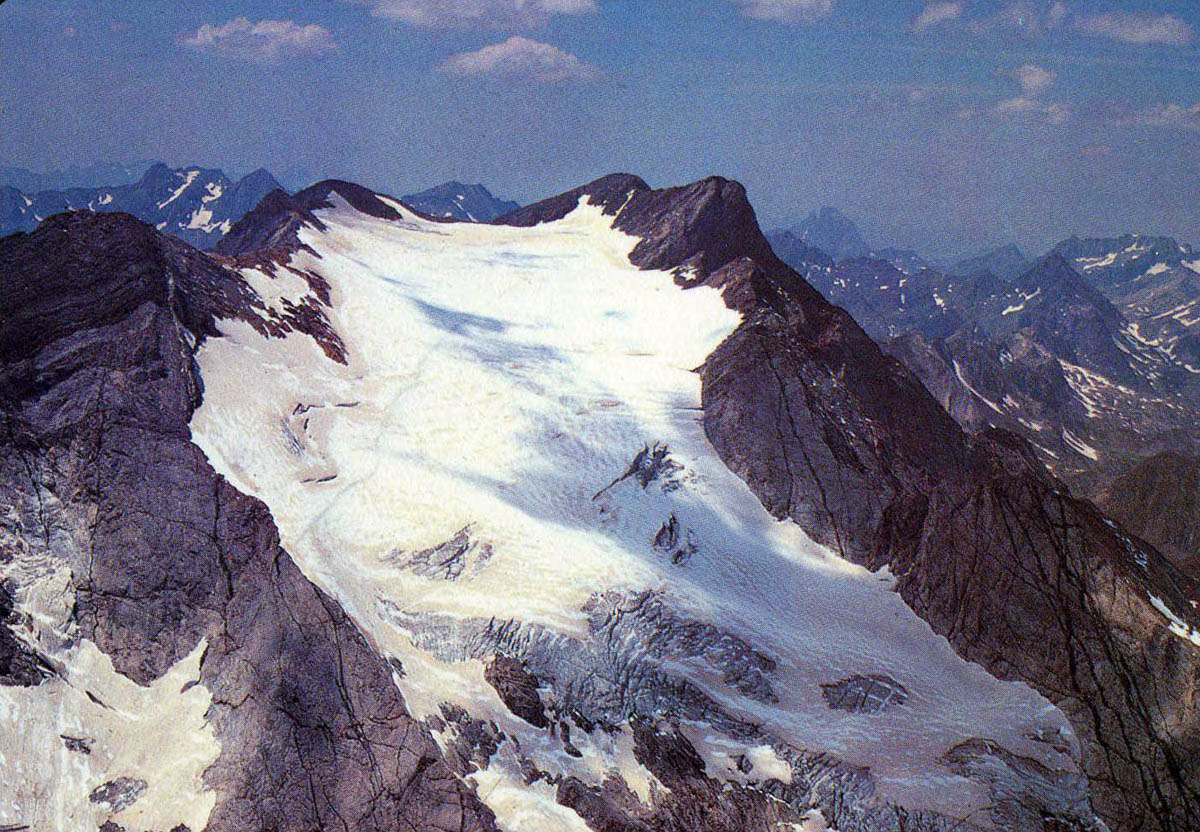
(76, 176)
(454, 200)
(1005, 262)
(1090, 352)
(198, 205)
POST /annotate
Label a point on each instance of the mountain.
(1155, 281)
(1046, 355)
(76, 176)
(194, 204)
(1159, 500)
(832, 232)
(577, 519)
(1006, 262)
(454, 200)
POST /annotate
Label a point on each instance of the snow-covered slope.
(511, 463)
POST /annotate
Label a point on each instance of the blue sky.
(944, 125)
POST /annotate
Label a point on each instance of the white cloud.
(1030, 104)
(1051, 111)
(1181, 116)
(787, 11)
(1138, 27)
(935, 13)
(487, 14)
(268, 41)
(1033, 79)
(521, 59)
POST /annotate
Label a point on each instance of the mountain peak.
(833, 232)
(457, 201)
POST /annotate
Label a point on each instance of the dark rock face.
(1159, 500)
(518, 688)
(992, 552)
(97, 386)
(456, 201)
(19, 663)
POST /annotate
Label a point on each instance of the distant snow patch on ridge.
(188, 178)
(499, 382)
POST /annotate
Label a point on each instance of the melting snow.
(1078, 445)
(1177, 625)
(963, 381)
(188, 178)
(1025, 298)
(500, 378)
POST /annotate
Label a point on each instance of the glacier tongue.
(460, 487)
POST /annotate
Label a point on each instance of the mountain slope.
(1159, 500)
(194, 675)
(1006, 262)
(489, 444)
(456, 201)
(194, 204)
(1156, 283)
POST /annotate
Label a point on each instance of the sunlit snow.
(499, 378)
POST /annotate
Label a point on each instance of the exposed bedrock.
(96, 388)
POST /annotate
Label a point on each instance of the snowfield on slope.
(500, 381)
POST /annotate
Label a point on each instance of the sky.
(945, 126)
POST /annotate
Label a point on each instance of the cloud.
(521, 59)
(268, 41)
(486, 14)
(1024, 18)
(1053, 112)
(1178, 116)
(1033, 79)
(787, 11)
(935, 13)
(1138, 27)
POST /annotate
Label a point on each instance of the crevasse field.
(499, 379)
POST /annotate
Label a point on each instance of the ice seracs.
(502, 382)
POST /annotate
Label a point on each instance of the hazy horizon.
(944, 126)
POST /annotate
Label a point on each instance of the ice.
(157, 734)
(499, 378)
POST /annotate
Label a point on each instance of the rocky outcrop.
(1159, 500)
(97, 385)
(990, 550)
(274, 222)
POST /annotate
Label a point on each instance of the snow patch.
(188, 178)
(1177, 625)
